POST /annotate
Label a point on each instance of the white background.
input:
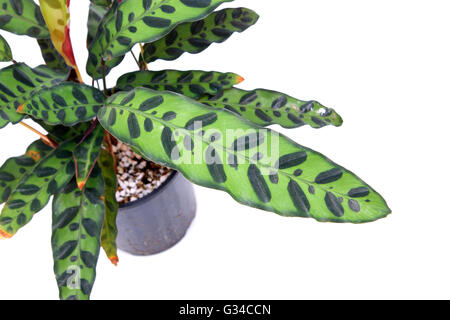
(385, 66)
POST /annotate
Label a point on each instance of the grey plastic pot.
(158, 221)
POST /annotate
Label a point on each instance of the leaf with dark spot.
(69, 212)
(192, 37)
(266, 107)
(256, 166)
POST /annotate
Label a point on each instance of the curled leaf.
(266, 107)
(195, 37)
(193, 84)
(57, 16)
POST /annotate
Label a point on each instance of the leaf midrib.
(253, 107)
(168, 124)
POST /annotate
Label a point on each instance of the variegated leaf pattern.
(51, 56)
(96, 14)
(195, 37)
(265, 107)
(77, 222)
(109, 230)
(256, 166)
(56, 14)
(17, 83)
(193, 84)
(143, 21)
(14, 169)
(68, 103)
(5, 50)
(34, 191)
(86, 155)
(94, 66)
(23, 17)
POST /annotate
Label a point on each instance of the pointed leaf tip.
(4, 235)
(240, 79)
(81, 184)
(20, 109)
(114, 260)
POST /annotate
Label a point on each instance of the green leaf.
(194, 37)
(14, 169)
(193, 84)
(264, 107)
(5, 50)
(17, 83)
(96, 14)
(51, 56)
(86, 155)
(94, 67)
(68, 103)
(77, 222)
(104, 3)
(256, 166)
(142, 21)
(109, 230)
(23, 17)
(35, 190)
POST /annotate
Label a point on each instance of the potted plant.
(195, 122)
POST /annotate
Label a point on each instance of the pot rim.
(153, 193)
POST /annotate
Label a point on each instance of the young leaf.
(109, 230)
(94, 66)
(36, 188)
(96, 14)
(77, 222)
(14, 169)
(17, 83)
(51, 56)
(5, 50)
(194, 37)
(86, 155)
(264, 107)
(68, 103)
(22, 17)
(57, 16)
(258, 167)
(143, 21)
(193, 84)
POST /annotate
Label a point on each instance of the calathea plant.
(196, 122)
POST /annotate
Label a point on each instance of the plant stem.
(89, 131)
(104, 78)
(44, 138)
(142, 54)
(108, 142)
(135, 59)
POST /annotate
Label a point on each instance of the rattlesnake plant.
(196, 122)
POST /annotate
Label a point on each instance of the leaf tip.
(240, 79)
(81, 184)
(114, 260)
(20, 109)
(4, 235)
